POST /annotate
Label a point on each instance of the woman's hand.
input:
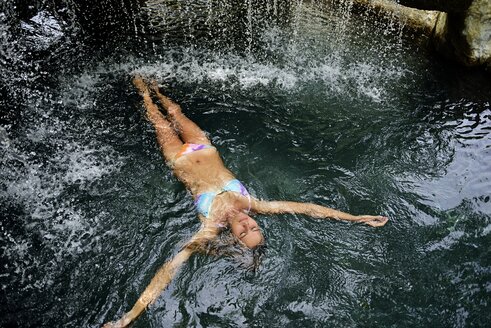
(117, 324)
(374, 221)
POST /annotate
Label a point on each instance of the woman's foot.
(171, 107)
(141, 85)
(154, 86)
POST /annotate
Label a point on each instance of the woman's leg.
(189, 131)
(168, 140)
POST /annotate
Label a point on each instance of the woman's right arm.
(162, 278)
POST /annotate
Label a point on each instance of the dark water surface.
(304, 103)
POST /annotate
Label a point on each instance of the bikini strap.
(237, 186)
(203, 203)
(188, 148)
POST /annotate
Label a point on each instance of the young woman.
(221, 200)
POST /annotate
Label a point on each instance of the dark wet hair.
(227, 244)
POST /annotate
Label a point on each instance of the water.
(303, 105)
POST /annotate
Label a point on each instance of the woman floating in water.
(221, 200)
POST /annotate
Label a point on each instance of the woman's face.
(246, 229)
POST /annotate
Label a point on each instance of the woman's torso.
(202, 171)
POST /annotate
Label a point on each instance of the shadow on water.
(302, 103)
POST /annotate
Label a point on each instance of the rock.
(438, 5)
(466, 36)
(477, 32)
(422, 21)
(460, 30)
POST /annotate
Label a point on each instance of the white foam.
(225, 71)
(45, 30)
(45, 187)
(86, 164)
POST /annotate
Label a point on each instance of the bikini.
(204, 201)
(189, 148)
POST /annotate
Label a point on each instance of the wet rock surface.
(459, 30)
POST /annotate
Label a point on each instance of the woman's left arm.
(315, 211)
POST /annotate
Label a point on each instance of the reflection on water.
(303, 105)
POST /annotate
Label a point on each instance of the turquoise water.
(304, 105)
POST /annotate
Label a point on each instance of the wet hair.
(225, 243)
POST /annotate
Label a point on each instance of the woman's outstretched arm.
(315, 211)
(163, 277)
